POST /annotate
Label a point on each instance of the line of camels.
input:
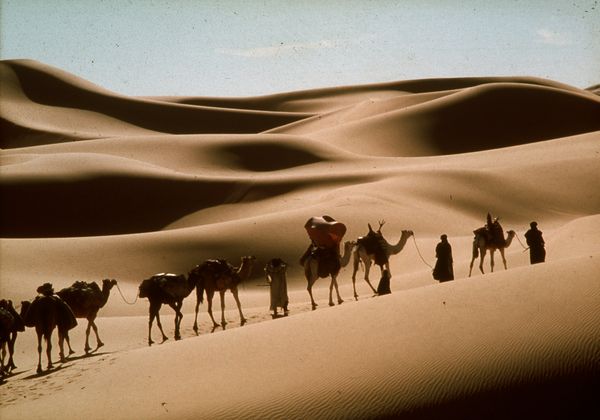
(83, 300)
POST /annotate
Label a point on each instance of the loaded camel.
(490, 238)
(373, 248)
(219, 275)
(324, 262)
(45, 313)
(86, 299)
(169, 289)
(10, 324)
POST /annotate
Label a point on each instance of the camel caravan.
(325, 256)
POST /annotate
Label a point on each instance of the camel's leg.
(2, 361)
(198, 300)
(39, 349)
(367, 263)
(48, 339)
(209, 298)
(337, 291)
(369, 281)
(151, 316)
(234, 292)
(11, 350)
(68, 340)
(481, 259)
(61, 346)
(222, 296)
(164, 337)
(356, 263)
(503, 257)
(153, 313)
(150, 321)
(2, 357)
(178, 317)
(87, 347)
(311, 281)
(474, 254)
(492, 260)
(99, 342)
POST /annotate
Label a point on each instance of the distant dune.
(97, 185)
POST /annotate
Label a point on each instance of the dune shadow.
(93, 353)
(48, 372)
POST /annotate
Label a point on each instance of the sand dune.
(99, 185)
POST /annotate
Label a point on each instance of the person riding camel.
(494, 231)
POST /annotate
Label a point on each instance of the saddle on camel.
(374, 244)
(325, 234)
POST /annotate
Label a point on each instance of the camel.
(324, 262)
(219, 275)
(169, 289)
(374, 248)
(86, 299)
(482, 244)
(46, 313)
(10, 324)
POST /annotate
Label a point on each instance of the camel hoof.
(243, 322)
(39, 369)
(314, 306)
(331, 304)
(100, 344)
(165, 338)
(340, 301)
(71, 352)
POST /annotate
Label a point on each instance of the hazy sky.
(240, 48)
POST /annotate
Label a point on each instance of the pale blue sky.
(241, 48)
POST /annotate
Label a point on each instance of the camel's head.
(248, 261)
(25, 304)
(511, 232)
(408, 233)
(109, 283)
(349, 244)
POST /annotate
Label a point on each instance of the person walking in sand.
(275, 270)
(537, 253)
(383, 288)
(443, 270)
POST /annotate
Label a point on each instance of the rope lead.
(419, 252)
(125, 300)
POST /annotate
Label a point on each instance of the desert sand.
(99, 185)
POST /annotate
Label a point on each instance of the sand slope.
(98, 185)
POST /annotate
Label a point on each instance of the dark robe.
(383, 288)
(537, 253)
(443, 270)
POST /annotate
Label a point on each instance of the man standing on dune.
(443, 270)
(537, 253)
